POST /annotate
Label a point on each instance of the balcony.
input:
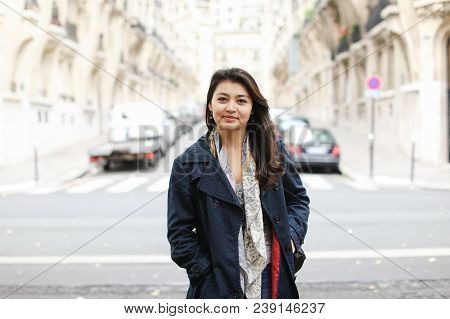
(138, 25)
(375, 14)
(160, 40)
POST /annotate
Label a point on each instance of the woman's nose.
(231, 107)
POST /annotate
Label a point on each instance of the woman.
(237, 208)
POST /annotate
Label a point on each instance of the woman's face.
(231, 106)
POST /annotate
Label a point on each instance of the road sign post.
(373, 87)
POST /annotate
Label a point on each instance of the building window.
(31, 5)
(390, 74)
(361, 111)
(55, 15)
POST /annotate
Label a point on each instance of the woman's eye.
(221, 99)
(242, 101)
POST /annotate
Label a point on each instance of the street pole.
(139, 147)
(373, 86)
(413, 160)
(36, 165)
(372, 137)
(26, 106)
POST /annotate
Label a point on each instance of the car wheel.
(336, 169)
(107, 166)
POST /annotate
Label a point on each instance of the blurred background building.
(327, 49)
(66, 62)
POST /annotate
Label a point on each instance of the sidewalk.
(395, 289)
(63, 165)
(391, 167)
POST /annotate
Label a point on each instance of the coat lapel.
(215, 183)
(213, 180)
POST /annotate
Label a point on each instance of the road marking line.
(160, 186)
(127, 185)
(89, 186)
(316, 182)
(96, 259)
(362, 185)
(17, 187)
(161, 258)
(392, 253)
(44, 190)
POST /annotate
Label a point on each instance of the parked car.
(284, 121)
(186, 117)
(286, 124)
(138, 132)
(313, 148)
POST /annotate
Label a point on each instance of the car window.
(286, 125)
(299, 135)
(322, 137)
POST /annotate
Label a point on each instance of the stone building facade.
(336, 44)
(64, 63)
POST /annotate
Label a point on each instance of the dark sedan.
(313, 148)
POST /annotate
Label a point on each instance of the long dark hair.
(260, 128)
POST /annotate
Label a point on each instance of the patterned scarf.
(253, 229)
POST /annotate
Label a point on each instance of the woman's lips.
(229, 118)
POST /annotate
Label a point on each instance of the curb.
(392, 181)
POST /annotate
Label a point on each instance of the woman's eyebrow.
(240, 95)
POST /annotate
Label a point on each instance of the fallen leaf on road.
(155, 292)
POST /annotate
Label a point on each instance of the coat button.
(276, 220)
(215, 202)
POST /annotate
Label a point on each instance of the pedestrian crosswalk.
(127, 185)
(90, 186)
(161, 185)
(156, 184)
(316, 182)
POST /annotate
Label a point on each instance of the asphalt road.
(363, 241)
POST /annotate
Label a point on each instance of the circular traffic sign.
(374, 82)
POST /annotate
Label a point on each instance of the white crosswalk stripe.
(115, 185)
(127, 185)
(362, 185)
(46, 190)
(160, 186)
(164, 258)
(90, 186)
(17, 187)
(316, 182)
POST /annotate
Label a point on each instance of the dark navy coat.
(204, 217)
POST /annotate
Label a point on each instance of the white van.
(139, 132)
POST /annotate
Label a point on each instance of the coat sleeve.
(297, 201)
(186, 251)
